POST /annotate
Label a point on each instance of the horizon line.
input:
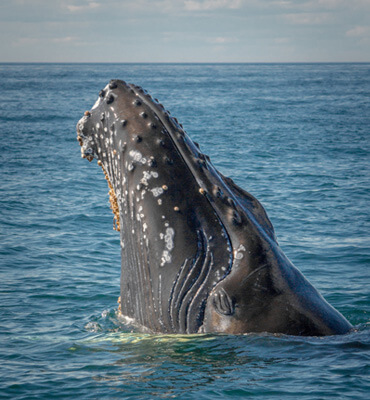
(185, 62)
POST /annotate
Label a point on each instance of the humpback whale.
(199, 253)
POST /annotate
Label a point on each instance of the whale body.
(199, 253)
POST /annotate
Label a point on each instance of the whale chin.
(199, 254)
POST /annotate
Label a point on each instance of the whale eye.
(223, 303)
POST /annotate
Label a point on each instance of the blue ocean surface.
(296, 136)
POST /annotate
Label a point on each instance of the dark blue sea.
(296, 136)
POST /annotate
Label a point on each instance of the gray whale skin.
(199, 254)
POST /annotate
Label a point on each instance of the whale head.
(199, 253)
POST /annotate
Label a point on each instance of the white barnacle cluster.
(168, 238)
(118, 194)
(140, 216)
(148, 175)
(238, 254)
(137, 156)
(157, 191)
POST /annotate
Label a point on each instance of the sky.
(185, 31)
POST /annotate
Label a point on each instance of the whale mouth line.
(113, 203)
(87, 153)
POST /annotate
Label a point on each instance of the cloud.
(319, 5)
(192, 5)
(359, 31)
(307, 18)
(309, 4)
(27, 41)
(222, 40)
(66, 39)
(89, 6)
(281, 40)
(327, 4)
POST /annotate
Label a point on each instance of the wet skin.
(199, 253)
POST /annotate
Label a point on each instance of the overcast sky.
(184, 30)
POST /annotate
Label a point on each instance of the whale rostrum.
(199, 254)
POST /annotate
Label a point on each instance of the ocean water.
(296, 136)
